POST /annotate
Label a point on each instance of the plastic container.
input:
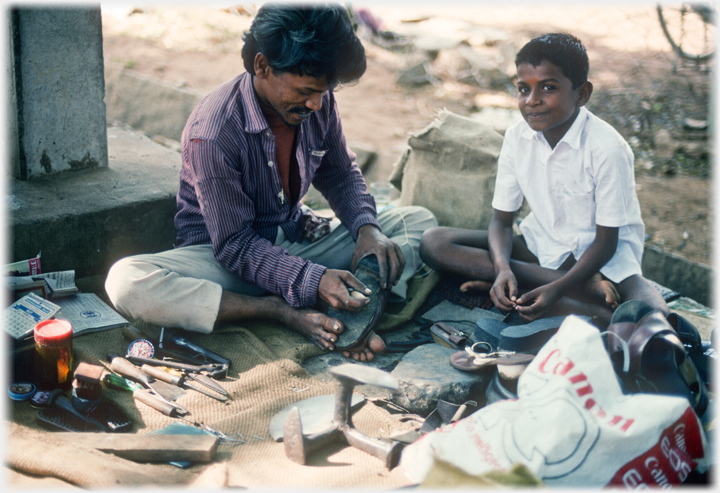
(21, 391)
(54, 354)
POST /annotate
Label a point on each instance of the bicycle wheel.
(690, 29)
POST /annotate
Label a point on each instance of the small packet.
(315, 227)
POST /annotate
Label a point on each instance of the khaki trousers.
(183, 287)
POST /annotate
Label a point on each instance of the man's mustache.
(300, 111)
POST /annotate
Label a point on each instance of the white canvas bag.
(571, 425)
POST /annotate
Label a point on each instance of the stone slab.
(86, 220)
(426, 376)
(458, 316)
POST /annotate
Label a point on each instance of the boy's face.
(547, 101)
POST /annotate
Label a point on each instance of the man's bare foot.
(366, 350)
(605, 290)
(318, 327)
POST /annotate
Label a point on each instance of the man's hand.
(390, 258)
(334, 291)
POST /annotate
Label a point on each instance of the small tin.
(40, 399)
(21, 391)
(142, 348)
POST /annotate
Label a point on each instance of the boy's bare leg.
(633, 288)
(465, 253)
(638, 288)
(316, 326)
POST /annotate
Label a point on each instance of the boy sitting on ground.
(581, 245)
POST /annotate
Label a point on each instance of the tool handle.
(132, 334)
(60, 400)
(201, 351)
(125, 368)
(162, 375)
(147, 398)
(169, 364)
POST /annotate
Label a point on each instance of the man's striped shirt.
(231, 193)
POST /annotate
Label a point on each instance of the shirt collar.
(572, 136)
(255, 120)
(574, 133)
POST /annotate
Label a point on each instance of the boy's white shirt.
(587, 179)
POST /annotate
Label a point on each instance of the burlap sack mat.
(449, 167)
(265, 377)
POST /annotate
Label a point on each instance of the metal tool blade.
(167, 390)
(294, 439)
(208, 393)
(366, 375)
(316, 414)
(206, 381)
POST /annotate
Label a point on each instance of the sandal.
(690, 337)
(471, 359)
(498, 390)
(526, 338)
(358, 325)
(658, 361)
(529, 338)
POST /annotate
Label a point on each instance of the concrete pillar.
(59, 87)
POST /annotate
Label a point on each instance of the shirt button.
(270, 163)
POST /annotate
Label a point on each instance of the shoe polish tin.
(21, 391)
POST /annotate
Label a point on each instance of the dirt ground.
(639, 88)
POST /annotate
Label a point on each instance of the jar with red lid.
(54, 362)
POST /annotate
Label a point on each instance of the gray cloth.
(183, 287)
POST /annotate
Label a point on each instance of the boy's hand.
(504, 291)
(536, 303)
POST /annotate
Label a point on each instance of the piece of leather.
(445, 413)
(451, 336)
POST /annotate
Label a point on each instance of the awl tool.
(180, 381)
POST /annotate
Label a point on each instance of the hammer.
(341, 428)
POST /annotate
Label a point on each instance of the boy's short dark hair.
(562, 50)
(315, 40)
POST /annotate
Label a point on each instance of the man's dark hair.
(562, 50)
(314, 40)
